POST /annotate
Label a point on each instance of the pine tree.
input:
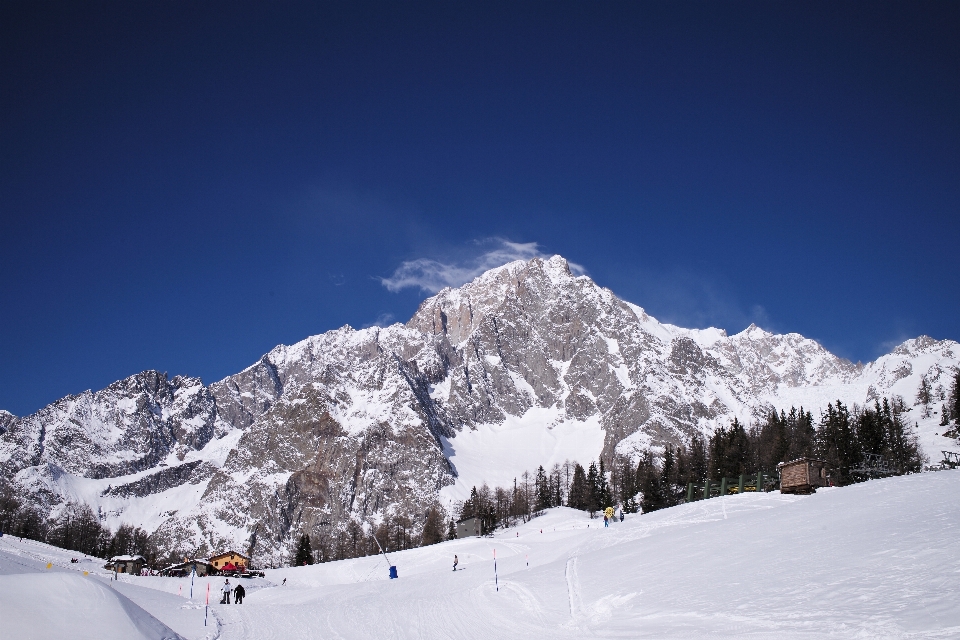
(471, 506)
(625, 484)
(579, 497)
(773, 441)
(925, 395)
(698, 460)
(452, 531)
(954, 399)
(650, 481)
(730, 452)
(903, 448)
(802, 434)
(681, 475)
(836, 441)
(555, 486)
(718, 442)
(667, 486)
(304, 554)
(737, 452)
(944, 416)
(870, 430)
(432, 528)
(544, 497)
(593, 489)
(603, 489)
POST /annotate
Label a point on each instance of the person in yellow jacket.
(607, 515)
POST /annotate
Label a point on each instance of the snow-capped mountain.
(526, 365)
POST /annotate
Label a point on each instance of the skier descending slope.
(456, 561)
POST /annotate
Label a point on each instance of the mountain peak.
(527, 364)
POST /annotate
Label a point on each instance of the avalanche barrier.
(728, 486)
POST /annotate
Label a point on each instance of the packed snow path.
(875, 560)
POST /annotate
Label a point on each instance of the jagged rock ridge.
(358, 424)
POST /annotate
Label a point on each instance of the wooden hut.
(186, 567)
(802, 475)
(126, 564)
(468, 527)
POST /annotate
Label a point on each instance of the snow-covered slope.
(526, 365)
(873, 560)
(40, 603)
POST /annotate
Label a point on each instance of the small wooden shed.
(468, 527)
(186, 567)
(802, 475)
(126, 564)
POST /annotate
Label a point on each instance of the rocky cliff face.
(525, 365)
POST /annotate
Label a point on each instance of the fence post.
(759, 480)
(689, 492)
(723, 486)
(740, 490)
(706, 488)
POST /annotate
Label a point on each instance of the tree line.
(567, 484)
(353, 540)
(75, 528)
(950, 410)
(843, 437)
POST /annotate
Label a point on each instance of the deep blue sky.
(183, 187)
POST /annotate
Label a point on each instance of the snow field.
(493, 453)
(165, 599)
(874, 560)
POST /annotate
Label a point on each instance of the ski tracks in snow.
(573, 590)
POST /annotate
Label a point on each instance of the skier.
(456, 561)
(284, 582)
(226, 592)
(621, 514)
(606, 521)
(238, 594)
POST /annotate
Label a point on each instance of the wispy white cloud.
(383, 320)
(432, 275)
(693, 299)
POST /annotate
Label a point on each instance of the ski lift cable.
(381, 549)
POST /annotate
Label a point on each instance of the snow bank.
(68, 605)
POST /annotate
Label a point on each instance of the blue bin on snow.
(393, 573)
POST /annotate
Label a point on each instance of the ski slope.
(40, 601)
(875, 560)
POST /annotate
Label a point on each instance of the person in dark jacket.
(238, 594)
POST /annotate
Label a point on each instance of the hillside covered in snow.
(526, 365)
(873, 560)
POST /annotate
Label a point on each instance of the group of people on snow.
(609, 515)
(238, 593)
